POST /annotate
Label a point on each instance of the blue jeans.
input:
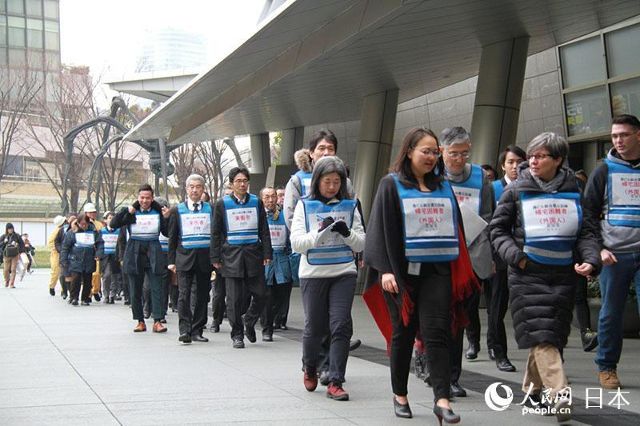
(614, 286)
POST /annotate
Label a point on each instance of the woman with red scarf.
(417, 252)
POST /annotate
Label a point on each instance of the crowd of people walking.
(441, 232)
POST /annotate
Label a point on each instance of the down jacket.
(541, 296)
(74, 259)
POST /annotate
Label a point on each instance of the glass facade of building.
(30, 34)
(600, 79)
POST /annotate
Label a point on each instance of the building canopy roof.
(313, 61)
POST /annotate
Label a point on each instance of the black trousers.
(238, 290)
(192, 322)
(281, 298)
(327, 304)
(81, 279)
(498, 304)
(473, 330)
(431, 315)
(582, 307)
(218, 303)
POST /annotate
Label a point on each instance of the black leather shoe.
(238, 343)
(589, 340)
(97, 297)
(267, 337)
(199, 338)
(402, 410)
(354, 344)
(504, 364)
(284, 327)
(457, 391)
(492, 355)
(184, 338)
(52, 291)
(472, 351)
(249, 331)
(74, 302)
(215, 328)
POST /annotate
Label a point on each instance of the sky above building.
(107, 35)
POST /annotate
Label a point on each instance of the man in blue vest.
(278, 272)
(109, 263)
(240, 249)
(474, 193)
(144, 220)
(189, 258)
(612, 197)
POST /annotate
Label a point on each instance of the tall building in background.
(172, 49)
(30, 37)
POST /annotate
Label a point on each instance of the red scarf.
(463, 284)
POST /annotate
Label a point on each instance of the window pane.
(34, 33)
(16, 57)
(623, 51)
(587, 111)
(34, 7)
(52, 61)
(51, 9)
(582, 62)
(35, 59)
(15, 6)
(625, 97)
(16, 31)
(3, 30)
(3, 57)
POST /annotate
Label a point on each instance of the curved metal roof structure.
(313, 61)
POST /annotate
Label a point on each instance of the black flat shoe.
(492, 355)
(445, 414)
(199, 338)
(354, 344)
(402, 410)
(185, 339)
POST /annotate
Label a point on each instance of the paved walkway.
(83, 365)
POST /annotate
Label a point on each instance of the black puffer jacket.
(75, 259)
(541, 296)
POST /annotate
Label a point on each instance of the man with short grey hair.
(474, 192)
(189, 249)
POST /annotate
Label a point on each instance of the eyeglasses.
(539, 157)
(430, 152)
(457, 155)
(241, 181)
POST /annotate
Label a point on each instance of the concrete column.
(373, 154)
(278, 175)
(260, 160)
(498, 97)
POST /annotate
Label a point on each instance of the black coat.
(239, 260)
(186, 259)
(136, 251)
(12, 238)
(542, 296)
(78, 259)
(114, 259)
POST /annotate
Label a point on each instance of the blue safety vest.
(333, 251)
(469, 191)
(241, 220)
(623, 191)
(164, 243)
(498, 188)
(195, 228)
(430, 223)
(278, 231)
(551, 225)
(305, 182)
(85, 239)
(110, 240)
(147, 226)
